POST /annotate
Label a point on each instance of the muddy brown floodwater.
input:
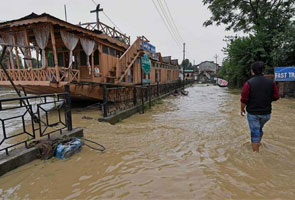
(189, 147)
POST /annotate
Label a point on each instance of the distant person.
(257, 96)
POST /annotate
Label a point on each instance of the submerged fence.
(121, 98)
(23, 119)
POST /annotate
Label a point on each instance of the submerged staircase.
(119, 73)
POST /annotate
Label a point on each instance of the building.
(208, 70)
(51, 53)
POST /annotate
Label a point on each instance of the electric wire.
(173, 21)
(101, 149)
(168, 20)
(165, 23)
(111, 21)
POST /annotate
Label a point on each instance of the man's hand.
(243, 109)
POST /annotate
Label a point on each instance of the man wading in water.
(257, 95)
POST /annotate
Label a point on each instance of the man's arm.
(243, 109)
(245, 98)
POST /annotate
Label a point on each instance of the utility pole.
(183, 65)
(216, 57)
(97, 10)
(183, 51)
(66, 17)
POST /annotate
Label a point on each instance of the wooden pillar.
(92, 64)
(16, 53)
(29, 50)
(135, 72)
(37, 57)
(54, 53)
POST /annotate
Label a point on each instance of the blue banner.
(284, 73)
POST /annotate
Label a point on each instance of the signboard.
(146, 64)
(284, 73)
(148, 47)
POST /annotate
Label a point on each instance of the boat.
(45, 53)
(221, 83)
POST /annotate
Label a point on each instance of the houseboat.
(45, 53)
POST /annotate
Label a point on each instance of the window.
(83, 58)
(130, 75)
(168, 75)
(158, 75)
(112, 52)
(105, 49)
(96, 57)
(118, 54)
(60, 58)
(50, 59)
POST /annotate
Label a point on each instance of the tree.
(186, 63)
(270, 37)
(284, 54)
(251, 15)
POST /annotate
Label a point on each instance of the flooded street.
(186, 147)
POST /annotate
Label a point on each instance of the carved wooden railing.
(112, 32)
(46, 74)
(125, 62)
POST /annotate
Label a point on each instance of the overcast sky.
(137, 17)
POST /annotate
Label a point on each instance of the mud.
(188, 147)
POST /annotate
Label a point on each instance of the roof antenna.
(66, 17)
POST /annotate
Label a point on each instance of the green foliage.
(250, 15)
(241, 53)
(284, 53)
(186, 63)
(271, 35)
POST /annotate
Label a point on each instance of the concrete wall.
(208, 66)
(22, 155)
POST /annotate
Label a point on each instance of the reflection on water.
(192, 147)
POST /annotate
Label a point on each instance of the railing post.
(150, 95)
(105, 101)
(68, 108)
(134, 96)
(142, 99)
(146, 93)
(158, 94)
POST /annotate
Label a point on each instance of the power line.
(173, 37)
(108, 17)
(111, 21)
(168, 20)
(177, 30)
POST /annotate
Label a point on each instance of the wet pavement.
(186, 147)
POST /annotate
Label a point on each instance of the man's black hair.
(258, 67)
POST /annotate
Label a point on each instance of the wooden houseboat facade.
(46, 53)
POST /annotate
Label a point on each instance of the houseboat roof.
(46, 18)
